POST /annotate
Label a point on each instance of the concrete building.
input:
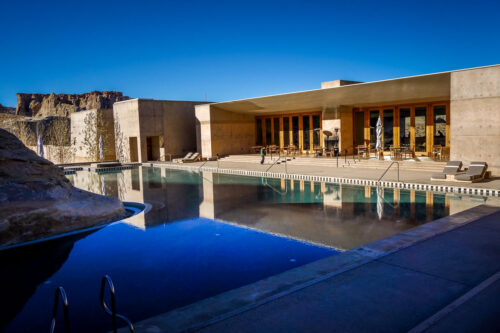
(459, 110)
(152, 130)
(80, 129)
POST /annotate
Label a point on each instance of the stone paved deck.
(421, 177)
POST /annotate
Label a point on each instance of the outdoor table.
(363, 151)
(397, 153)
(256, 149)
(318, 151)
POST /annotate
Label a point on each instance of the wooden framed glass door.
(303, 130)
(417, 126)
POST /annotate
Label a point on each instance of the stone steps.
(430, 166)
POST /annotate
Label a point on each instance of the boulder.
(38, 201)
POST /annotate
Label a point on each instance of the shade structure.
(379, 134)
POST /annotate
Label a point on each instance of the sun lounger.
(193, 158)
(179, 160)
(475, 173)
(451, 168)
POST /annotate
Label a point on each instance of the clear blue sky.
(234, 49)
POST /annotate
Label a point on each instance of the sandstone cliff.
(64, 104)
(7, 109)
(38, 201)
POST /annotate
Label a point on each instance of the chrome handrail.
(345, 151)
(388, 170)
(277, 160)
(275, 190)
(112, 311)
(60, 293)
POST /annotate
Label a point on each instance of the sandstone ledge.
(37, 200)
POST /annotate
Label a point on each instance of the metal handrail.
(112, 311)
(388, 170)
(345, 151)
(275, 190)
(277, 160)
(60, 293)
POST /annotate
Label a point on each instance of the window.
(286, 129)
(307, 138)
(404, 127)
(388, 128)
(276, 134)
(440, 125)
(268, 131)
(317, 130)
(259, 132)
(420, 124)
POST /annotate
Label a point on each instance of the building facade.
(153, 130)
(459, 110)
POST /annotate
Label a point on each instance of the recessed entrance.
(153, 148)
(132, 141)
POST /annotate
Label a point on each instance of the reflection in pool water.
(205, 234)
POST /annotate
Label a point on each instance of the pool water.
(205, 234)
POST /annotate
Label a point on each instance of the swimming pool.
(205, 233)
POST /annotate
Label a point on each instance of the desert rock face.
(38, 201)
(42, 105)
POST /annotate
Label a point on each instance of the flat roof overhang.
(415, 89)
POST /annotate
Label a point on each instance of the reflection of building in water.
(170, 199)
(337, 215)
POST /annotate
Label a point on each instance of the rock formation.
(64, 104)
(7, 109)
(38, 201)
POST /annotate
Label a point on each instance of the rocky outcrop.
(64, 104)
(7, 109)
(38, 201)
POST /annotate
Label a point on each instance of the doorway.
(132, 142)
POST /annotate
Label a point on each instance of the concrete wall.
(171, 124)
(126, 115)
(78, 130)
(224, 132)
(475, 116)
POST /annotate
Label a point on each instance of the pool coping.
(145, 209)
(328, 179)
(225, 305)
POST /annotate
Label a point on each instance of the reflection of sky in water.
(177, 254)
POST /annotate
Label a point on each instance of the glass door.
(295, 131)
(404, 127)
(388, 123)
(420, 129)
(306, 129)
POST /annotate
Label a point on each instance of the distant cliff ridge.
(42, 105)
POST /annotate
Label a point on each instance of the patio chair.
(179, 160)
(475, 173)
(451, 168)
(193, 158)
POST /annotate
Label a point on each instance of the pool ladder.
(106, 280)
